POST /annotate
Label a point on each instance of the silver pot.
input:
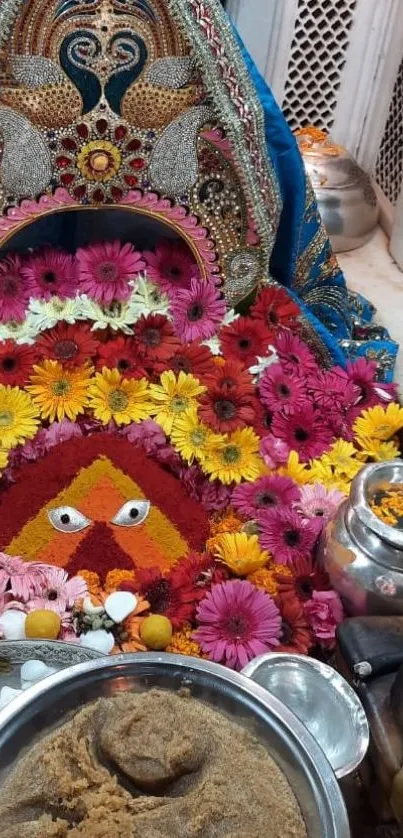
(346, 199)
(48, 704)
(362, 555)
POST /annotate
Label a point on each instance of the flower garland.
(138, 346)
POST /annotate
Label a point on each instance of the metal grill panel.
(389, 167)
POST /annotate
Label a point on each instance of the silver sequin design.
(8, 13)
(132, 513)
(34, 71)
(26, 167)
(244, 271)
(174, 167)
(172, 72)
(68, 519)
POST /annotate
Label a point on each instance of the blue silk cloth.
(302, 258)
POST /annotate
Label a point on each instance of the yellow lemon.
(44, 624)
(156, 632)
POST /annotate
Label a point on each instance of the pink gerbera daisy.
(281, 390)
(303, 431)
(294, 355)
(286, 535)
(264, 493)
(318, 502)
(332, 390)
(363, 374)
(237, 622)
(50, 272)
(22, 579)
(198, 311)
(104, 270)
(171, 266)
(274, 451)
(58, 591)
(15, 289)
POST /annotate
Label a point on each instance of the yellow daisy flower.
(173, 397)
(341, 457)
(294, 469)
(235, 459)
(377, 449)
(379, 422)
(191, 438)
(320, 472)
(3, 460)
(113, 397)
(241, 553)
(58, 392)
(18, 417)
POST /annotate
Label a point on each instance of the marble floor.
(372, 271)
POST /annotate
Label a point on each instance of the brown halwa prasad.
(152, 765)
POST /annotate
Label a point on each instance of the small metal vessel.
(322, 699)
(362, 555)
(346, 198)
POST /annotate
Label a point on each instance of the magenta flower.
(50, 272)
(15, 289)
(265, 493)
(280, 390)
(303, 431)
(237, 622)
(104, 270)
(147, 434)
(198, 311)
(171, 266)
(294, 354)
(61, 432)
(58, 592)
(332, 390)
(324, 612)
(213, 495)
(274, 451)
(286, 535)
(362, 374)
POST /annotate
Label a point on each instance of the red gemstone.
(101, 126)
(98, 196)
(116, 193)
(134, 145)
(62, 162)
(137, 163)
(131, 180)
(66, 179)
(79, 192)
(69, 144)
(120, 132)
(82, 130)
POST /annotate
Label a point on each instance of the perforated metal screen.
(389, 167)
(318, 56)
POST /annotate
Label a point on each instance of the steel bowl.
(322, 699)
(49, 704)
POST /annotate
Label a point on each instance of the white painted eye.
(132, 513)
(67, 519)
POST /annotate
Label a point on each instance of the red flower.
(193, 576)
(155, 340)
(230, 377)
(194, 358)
(72, 346)
(263, 419)
(121, 353)
(16, 363)
(276, 308)
(225, 412)
(244, 340)
(297, 637)
(163, 596)
(307, 577)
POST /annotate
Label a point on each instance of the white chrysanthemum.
(213, 344)
(230, 316)
(262, 364)
(44, 314)
(18, 332)
(147, 298)
(118, 316)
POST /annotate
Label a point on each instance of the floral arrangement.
(137, 346)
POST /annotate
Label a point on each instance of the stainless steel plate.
(322, 699)
(13, 653)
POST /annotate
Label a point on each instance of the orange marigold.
(131, 627)
(93, 582)
(183, 644)
(115, 577)
(264, 578)
(227, 522)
